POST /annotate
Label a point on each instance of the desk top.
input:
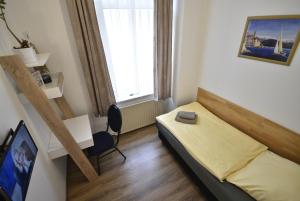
(80, 129)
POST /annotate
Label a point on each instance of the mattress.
(216, 145)
(223, 191)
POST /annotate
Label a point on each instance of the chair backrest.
(114, 118)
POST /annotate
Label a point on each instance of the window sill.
(135, 101)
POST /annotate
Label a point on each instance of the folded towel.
(186, 121)
(187, 115)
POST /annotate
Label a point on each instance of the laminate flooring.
(152, 172)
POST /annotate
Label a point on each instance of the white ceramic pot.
(28, 55)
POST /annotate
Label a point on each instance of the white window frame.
(135, 101)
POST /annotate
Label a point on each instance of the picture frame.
(271, 39)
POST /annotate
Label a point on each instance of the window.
(126, 28)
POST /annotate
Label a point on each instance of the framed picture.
(271, 38)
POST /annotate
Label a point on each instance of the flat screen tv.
(17, 164)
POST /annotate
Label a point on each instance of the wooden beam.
(64, 107)
(279, 139)
(14, 66)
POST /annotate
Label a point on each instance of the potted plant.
(25, 50)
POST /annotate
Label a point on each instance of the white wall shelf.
(54, 89)
(41, 60)
(80, 129)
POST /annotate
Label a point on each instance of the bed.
(279, 139)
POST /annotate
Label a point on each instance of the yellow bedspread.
(216, 145)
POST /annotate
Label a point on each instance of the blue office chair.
(103, 140)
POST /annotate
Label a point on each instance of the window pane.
(127, 34)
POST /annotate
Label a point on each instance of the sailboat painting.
(271, 38)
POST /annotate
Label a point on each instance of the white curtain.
(126, 28)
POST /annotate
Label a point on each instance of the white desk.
(80, 129)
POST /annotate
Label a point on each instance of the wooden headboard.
(279, 139)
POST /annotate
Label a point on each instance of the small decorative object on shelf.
(38, 78)
(28, 55)
(25, 50)
(44, 73)
(47, 78)
(54, 89)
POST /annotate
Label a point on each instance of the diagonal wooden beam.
(64, 107)
(14, 66)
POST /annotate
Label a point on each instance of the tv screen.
(17, 164)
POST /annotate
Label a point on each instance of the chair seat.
(103, 141)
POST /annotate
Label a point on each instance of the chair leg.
(121, 153)
(98, 165)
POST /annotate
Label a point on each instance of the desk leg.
(64, 107)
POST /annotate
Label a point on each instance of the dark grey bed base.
(223, 191)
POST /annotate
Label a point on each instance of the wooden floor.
(151, 172)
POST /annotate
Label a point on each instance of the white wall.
(48, 181)
(206, 47)
(270, 90)
(50, 30)
(267, 89)
(190, 28)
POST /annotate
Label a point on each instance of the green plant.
(23, 43)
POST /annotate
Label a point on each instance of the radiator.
(140, 115)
